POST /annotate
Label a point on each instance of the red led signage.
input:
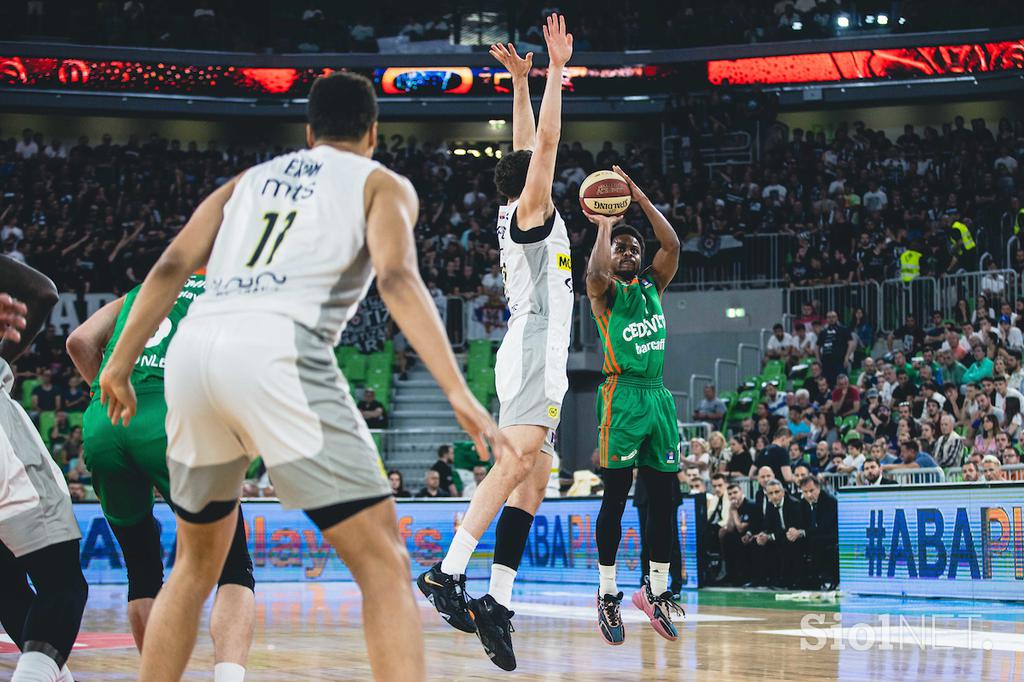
(85, 75)
(898, 64)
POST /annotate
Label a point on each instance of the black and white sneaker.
(448, 596)
(494, 628)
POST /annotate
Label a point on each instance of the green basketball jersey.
(150, 365)
(633, 331)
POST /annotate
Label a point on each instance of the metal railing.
(734, 147)
(842, 298)
(899, 299)
(970, 285)
(755, 261)
(682, 401)
(756, 365)
(690, 430)
(719, 363)
(703, 379)
(1012, 244)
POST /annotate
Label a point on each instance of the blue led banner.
(956, 540)
(286, 546)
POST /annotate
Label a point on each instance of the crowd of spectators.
(95, 216)
(337, 26)
(944, 394)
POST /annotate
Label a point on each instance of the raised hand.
(518, 66)
(603, 220)
(636, 194)
(558, 41)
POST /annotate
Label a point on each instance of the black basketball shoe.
(609, 618)
(494, 628)
(448, 596)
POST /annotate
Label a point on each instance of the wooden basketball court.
(311, 632)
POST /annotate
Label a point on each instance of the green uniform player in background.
(635, 411)
(127, 463)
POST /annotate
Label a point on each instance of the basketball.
(604, 192)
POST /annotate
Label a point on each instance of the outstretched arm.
(535, 202)
(392, 207)
(666, 260)
(599, 267)
(524, 127)
(34, 296)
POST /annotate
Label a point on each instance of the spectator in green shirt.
(981, 368)
(952, 371)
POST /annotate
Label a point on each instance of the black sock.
(511, 536)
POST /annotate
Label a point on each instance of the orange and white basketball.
(605, 193)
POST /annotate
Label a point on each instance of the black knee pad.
(212, 512)
(61, 593)
(238, 564)
(332, 515)
(143, 557)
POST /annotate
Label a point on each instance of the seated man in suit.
(781, 551)
(821, 517)
(737, 537)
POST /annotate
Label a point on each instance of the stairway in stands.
(418, 404)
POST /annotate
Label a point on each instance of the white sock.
(659, 578)
(34, 666)
(228, 672)
(608, 585)
(459, 553)
(65, 675)
(502, 578)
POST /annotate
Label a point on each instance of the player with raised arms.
(636, 413)
(290, 247)
(530, 373)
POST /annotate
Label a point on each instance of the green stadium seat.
(355, 369)
(379, 361)
(774, 368)
(27, 387)
(75, 419)
(46, 422)
(343, 353)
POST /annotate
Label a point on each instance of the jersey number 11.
(270, 218)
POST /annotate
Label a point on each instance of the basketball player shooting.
(636, 412)
(290, 247)
(530, 373)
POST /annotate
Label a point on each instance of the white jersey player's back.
(293, 241)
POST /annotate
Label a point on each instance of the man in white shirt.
(1015, 374)
(55, 150)
(780, 344)
(1006, 160)
(26, 147)
(993, 284)
(777, 402)
(805, 343)
(1003, 391)
(775, 188)
(1010, 336)
(875, 199)
(887, 385)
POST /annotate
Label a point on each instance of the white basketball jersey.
(536, 267)
(293, 242)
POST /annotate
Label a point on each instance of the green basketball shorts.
(638, 426)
